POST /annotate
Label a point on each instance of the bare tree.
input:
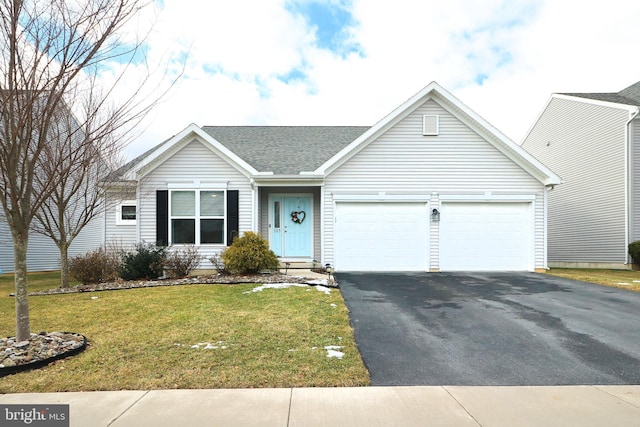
(77, 158)
(52, 52)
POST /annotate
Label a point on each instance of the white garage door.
(381, 236)
(486, 236)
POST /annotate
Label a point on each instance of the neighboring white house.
(431, 187)
(592, 140)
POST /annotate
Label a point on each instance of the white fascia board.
(389, 120)
(175, 143)
(504, 144)
(601, 103)
(288, 180)
(463, 112)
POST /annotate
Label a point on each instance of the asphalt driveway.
(492, 329)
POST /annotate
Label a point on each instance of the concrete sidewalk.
(365, 406)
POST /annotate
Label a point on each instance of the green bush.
(95, 266)
(146, 262)
(181, 262)
(634, 251)
(249, 253)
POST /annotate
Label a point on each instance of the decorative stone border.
(42, 362)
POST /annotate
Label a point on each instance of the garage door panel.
(485, 236)
(381, 236)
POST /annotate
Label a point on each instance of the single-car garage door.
(389, 236)
(486, 236)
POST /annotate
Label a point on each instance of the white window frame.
(119, 220)
(197, 217)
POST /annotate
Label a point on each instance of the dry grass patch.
(625, 279)
(193, 336)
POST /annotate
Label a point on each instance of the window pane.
(212, 203)
(276, 214)
(183, 231)
(183, 203)
(128, 212)
(211, 231)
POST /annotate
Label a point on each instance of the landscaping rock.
(38, 350)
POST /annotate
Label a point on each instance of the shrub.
(218, 264)
(180, 262)
(146, 262)
(95, 266)
(634, 251)
(249, 253)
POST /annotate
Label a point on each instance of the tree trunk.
(23, 325)
(64, 265)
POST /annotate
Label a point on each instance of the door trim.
(310, 217)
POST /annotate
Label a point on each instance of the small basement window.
(126, 213)
(431, 125)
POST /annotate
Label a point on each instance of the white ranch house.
(430, 187)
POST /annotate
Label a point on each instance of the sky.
(351, 62)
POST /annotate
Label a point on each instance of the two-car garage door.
(393, 236)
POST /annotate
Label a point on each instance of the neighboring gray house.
(592, 140)
(43, 254)
(431, 187)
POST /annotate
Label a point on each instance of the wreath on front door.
(298, 216)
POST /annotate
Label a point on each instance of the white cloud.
(501, 58)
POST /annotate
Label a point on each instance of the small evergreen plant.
(249, 253)
(146, 262)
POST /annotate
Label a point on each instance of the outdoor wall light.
(435, 215)
(327, 268)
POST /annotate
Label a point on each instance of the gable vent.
(430, 125)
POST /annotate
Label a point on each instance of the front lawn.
(625, 279)
(191, 336)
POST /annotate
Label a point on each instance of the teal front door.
(290, 225)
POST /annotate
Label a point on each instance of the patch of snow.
(623, 284)
(332, 351)
(323, 289)
(333, 305)
(287, 285)
(94, 297)
(205, 345)
(317, 282)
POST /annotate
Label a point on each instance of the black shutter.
(233, 217)
(162, 217)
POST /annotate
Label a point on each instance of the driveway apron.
(492, 329)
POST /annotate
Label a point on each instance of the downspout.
(546, 229)
(627, 182)
(254, 202)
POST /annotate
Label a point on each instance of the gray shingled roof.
(627, 96)
(285, 150)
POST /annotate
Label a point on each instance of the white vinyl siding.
(585, 144)
(194, 163)
(457, 162)
(117, 234)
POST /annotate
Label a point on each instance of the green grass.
(616, 278)
(142, 338)
(37, 282)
